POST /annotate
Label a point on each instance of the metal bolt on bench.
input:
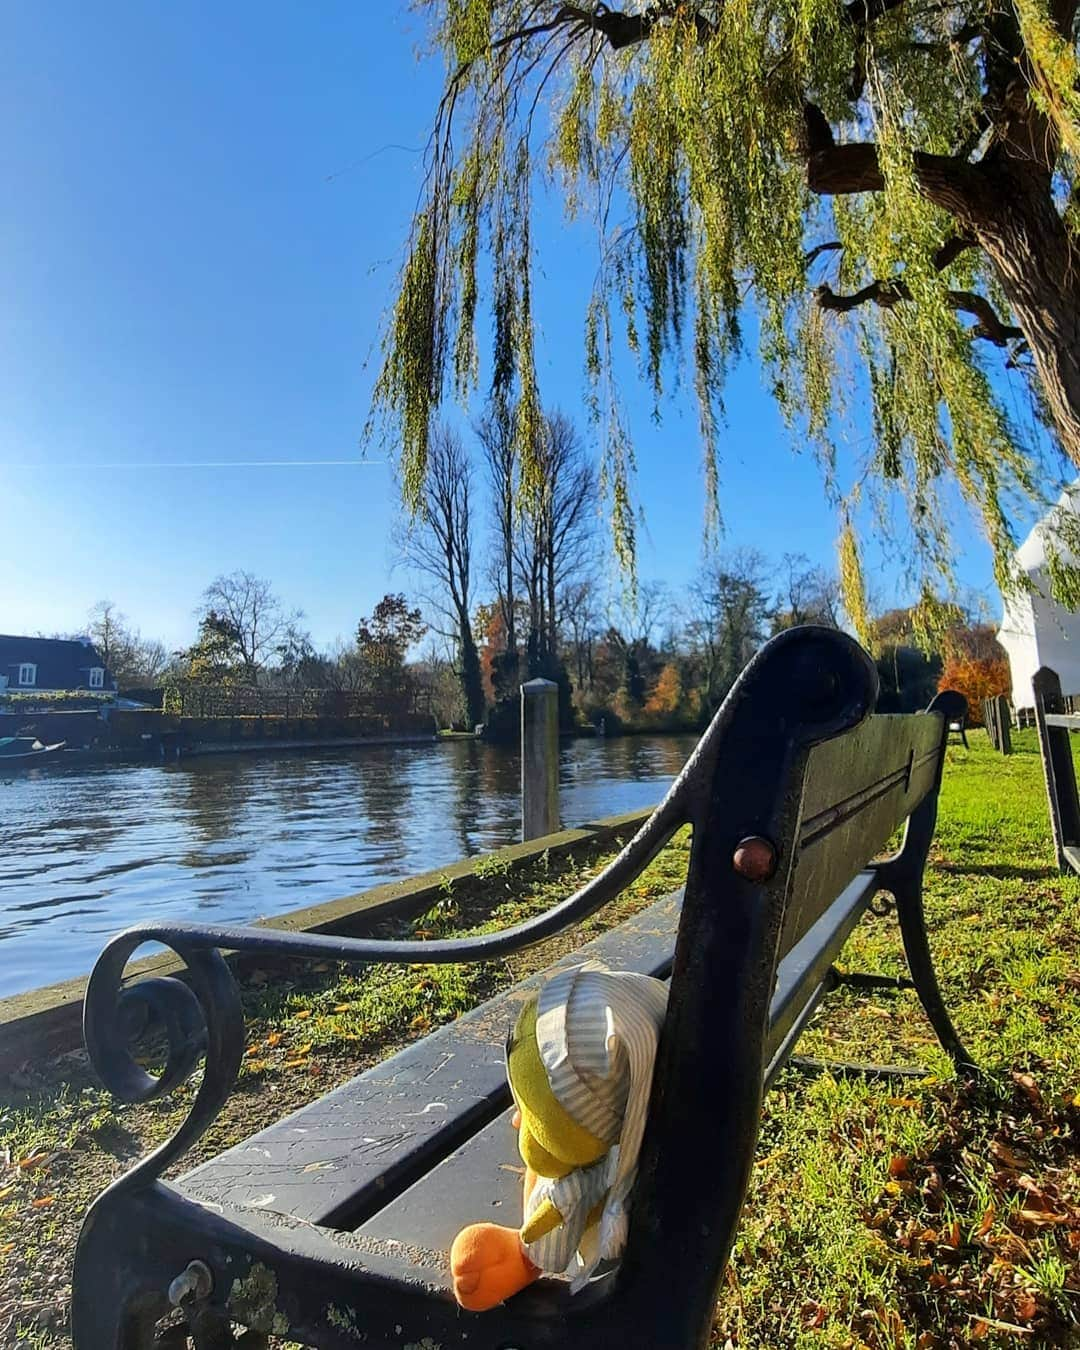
(330, 1227)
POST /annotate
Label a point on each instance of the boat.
(22, 749)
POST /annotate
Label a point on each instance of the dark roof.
(62, 663)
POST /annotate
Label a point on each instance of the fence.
(1055, 721)
(202, 701)
(997, 718)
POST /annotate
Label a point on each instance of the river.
(87, 850)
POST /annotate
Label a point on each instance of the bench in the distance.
(330, 1228)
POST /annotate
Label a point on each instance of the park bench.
(330, 1228)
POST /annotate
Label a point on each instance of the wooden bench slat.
(481, 1180)
(339, 1159)
(886, 767)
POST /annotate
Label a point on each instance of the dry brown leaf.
(898, 1166)
(986, 1222)
(303, 1014)
(43, 1202)
(1028, 1087)
(274, 1038)
(1042, 1217)
(1008, 1156)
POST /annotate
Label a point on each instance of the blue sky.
(198, 244)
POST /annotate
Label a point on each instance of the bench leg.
(909, 911)
(116, 1302)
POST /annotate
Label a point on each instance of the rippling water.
(85, 851)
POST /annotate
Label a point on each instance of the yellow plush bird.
(580, 1063)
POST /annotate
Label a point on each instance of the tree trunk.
(472, 680)
(1038, 266)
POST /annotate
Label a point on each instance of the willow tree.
(885, 183)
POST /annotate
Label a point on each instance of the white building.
(1036, 631)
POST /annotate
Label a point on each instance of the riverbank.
(914, 1215)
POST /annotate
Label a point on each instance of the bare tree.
(436, 544)
(495, 432)
(255, 614)
(115, 644)
(579, 621)
(806, 595)
(129, 657)
(555, 543)
(729, 618)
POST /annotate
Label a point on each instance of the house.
(1035, 630)
(32, 665)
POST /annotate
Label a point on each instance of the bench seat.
(337, 1161)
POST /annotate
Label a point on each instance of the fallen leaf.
(294, 1064)
(302, 1050)
(900, 1188)
(252, 1050)
(43, 1202)
(274, 1038)
(343, 1007)
(1028, 1087)
(1026, 1305)
(1042, 1217)
(898, 1166)
(1007, 1155)
(986, 1222)
(31, 1161)
(303, 1014)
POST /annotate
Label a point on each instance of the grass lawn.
(903, 1213)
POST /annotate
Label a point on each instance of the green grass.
(899, 1215)
(929, 1213)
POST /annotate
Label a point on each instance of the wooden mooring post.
(539, 758)
(1054, 726)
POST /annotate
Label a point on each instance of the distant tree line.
(502, 593)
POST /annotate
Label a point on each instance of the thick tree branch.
(887, 294)
(952, 248)
(837, 170)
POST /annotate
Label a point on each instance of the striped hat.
(580, 1066)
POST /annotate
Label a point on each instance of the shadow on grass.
(1003, 872)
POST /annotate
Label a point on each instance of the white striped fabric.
(597, 1032)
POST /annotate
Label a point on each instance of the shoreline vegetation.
(895, 1214)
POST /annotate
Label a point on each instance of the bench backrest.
(858, 788)
(798, 776)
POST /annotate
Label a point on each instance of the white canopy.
(1036, 631)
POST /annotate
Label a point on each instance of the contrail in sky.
(212, 464)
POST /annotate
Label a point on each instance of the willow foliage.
(684, 131)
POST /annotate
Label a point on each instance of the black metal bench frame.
(791, 794)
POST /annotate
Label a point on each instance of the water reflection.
(85, 851)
